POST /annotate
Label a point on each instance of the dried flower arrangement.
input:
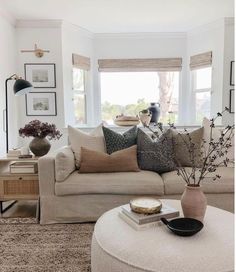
(39, 129)
(216, 149)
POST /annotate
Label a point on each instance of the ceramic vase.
(39, 146)
(194, 202)
(155, 110)
(145, 117)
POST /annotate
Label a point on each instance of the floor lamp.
(20, 87)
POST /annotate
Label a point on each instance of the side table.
(17, 186)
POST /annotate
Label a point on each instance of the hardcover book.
(140, 219)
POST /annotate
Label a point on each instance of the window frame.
(195, 91)
(80, 92)
(180, 112)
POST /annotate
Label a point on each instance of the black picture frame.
(50, 67)
(231, 101)
(232, 73)
(29, 108)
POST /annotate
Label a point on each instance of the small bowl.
(146, 205)
(183, 226)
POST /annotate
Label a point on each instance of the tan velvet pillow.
(98, 162)
(181, 143)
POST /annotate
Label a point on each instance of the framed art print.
(232, 73)
(41, 104)
(231, 101)
(41, 75)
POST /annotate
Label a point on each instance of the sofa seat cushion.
(175, 185)
(134, 183)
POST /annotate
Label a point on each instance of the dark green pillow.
(117, 141)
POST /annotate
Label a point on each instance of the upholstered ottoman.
(116, 247)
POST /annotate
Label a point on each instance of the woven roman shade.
(201, 60)
(81, 62)
(139, 65)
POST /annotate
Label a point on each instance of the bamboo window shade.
(139, 65)
(201, 60)
(81, 62)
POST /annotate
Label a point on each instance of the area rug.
(29, 247)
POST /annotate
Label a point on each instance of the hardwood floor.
(23, 208)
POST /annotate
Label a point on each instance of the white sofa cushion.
(134, 183)
(64, 163)
(174, 184)
(94, 141)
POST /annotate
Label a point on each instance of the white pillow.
(93, 141)
(64, 163)
(216, 133)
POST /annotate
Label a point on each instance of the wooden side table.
(17, 186)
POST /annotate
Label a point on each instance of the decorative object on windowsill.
(124, 120)
(145, 117)
(145, 205)
(155, 110)
(214, 153)
(37, 51)
(40, 145)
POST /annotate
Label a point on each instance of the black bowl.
(183, 226)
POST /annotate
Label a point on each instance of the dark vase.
(39, 146)
(155, 110)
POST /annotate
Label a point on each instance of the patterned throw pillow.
(117, 141)
(155, 155)
(181, 147)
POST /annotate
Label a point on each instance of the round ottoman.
(117, 247)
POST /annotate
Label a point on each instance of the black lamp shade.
(22, 86)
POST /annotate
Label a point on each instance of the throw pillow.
(181, 144)
(64, 163)
(93, 140)
(216, 135)
(98, 162)
(155, 155)
(117, 141)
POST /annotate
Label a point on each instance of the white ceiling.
(120, 16)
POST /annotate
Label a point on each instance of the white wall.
(228, 57)
(159, 45)
(204, 39)
(49, 37)
(7, 68)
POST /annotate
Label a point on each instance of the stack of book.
(13, 153)
(144, 221)
(24, 168)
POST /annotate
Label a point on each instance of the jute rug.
(29, 247)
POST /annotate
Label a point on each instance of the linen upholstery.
(181, 143)
(117, 141)
(98, 162)
(216, 133)
(93, 140)
(135, 183)
(175, 185)
(64, 163)
(155, 155)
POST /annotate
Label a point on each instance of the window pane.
(203, 106)
(203, 78)
(80, 108)
(78, 79)
(130, 92)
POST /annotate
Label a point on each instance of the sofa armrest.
(47, 174)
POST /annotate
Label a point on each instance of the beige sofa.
(85, 197)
